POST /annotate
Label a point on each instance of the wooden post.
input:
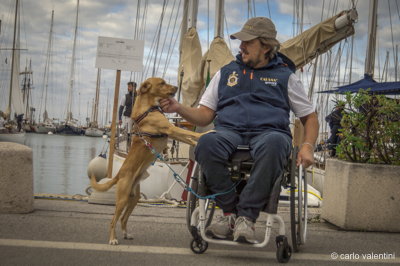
(114, 124)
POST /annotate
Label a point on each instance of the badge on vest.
(232, 79)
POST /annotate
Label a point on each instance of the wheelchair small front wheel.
(198, 246)
(284, 250)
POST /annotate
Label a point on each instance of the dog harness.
(141, 117)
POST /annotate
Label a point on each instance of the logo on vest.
(232, 79)
(270, 81)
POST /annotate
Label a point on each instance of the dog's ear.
(145, 87)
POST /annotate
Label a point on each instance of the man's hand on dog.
(169, 105)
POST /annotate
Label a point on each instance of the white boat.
(46, 127)
(94, 132)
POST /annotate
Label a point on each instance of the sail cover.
(216, 57)
(190, 59)
(319, 38)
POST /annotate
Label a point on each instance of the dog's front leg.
(186, 136)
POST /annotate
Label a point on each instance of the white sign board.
(120, 54)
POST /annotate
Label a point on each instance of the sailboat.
(29, 124)
(93, 129)
(11, 126)
(71, 125)
(47, 125)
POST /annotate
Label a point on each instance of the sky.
(120, 19)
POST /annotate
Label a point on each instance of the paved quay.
(61, 232)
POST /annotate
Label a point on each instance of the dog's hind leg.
(133, 200)
(120, 204)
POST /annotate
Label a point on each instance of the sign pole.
(114, 124)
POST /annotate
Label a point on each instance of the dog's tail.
(103, 187)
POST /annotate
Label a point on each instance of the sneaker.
(223, 227)
(244, 231)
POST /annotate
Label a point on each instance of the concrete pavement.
(61, 232)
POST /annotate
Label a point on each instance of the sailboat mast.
(72, 72)
(184, 26)
(106, 122)
(219, 19)
(13, 57)
(96, 101)
(47, 66)
(372, 22)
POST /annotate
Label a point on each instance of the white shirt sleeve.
(298, 100)
(122, 101)
(210, 95)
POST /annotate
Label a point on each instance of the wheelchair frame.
(200, 213)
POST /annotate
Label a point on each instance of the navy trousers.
(269, 150)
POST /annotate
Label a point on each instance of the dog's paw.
(113, 242)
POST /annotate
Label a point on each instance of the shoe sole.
(242, 239)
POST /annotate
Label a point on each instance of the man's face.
(130, 88)
(253, 53)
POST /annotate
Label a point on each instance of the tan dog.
(140, 157)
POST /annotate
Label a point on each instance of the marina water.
(60, 162)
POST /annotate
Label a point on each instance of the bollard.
(16, 178)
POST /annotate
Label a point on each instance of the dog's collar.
(142, 116)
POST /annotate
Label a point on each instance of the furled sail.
(320, 38)
(216, 57)
(190, 59)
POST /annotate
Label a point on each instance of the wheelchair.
(200, 209)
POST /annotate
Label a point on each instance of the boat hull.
(45, 129)
(70, 130)
(94, 132)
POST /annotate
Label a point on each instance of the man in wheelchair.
(249, 101)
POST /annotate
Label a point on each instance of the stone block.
(16, 178)
(362, 196)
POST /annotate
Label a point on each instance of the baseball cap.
(256, 27)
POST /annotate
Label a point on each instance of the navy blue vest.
(254, 99)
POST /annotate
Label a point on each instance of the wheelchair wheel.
(193, 201)
(298, 204)
(198, 246)
(284, 251)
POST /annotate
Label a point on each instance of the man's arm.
(311, 126)
(121, 109)
(200, 116)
